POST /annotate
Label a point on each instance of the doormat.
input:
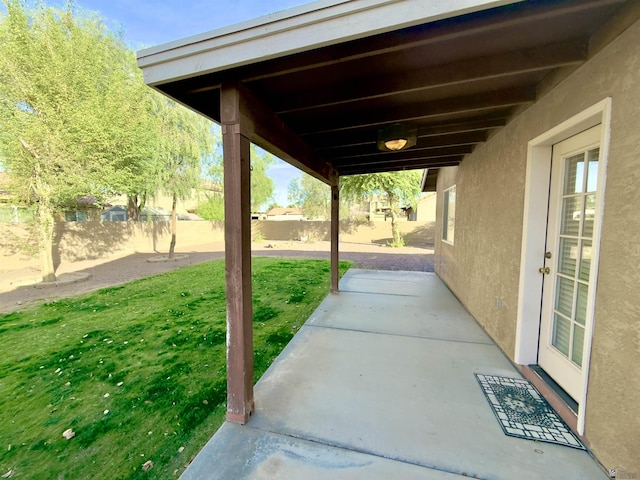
(522, 412)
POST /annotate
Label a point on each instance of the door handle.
(544, 270)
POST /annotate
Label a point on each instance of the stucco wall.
(76, 241)
(416, 234)
(483, 265)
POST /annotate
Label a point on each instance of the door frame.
(539, 151)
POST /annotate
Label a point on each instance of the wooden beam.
(424, 143)
(448, 128)
(268, 131)
(404, 156)
(237, 204)
(448, 106)
(328, 140)
(335, 232)
(427, 77)
(417, 164)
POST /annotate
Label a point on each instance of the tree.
(400, 188)
(74, 113)
(212, 209)
(261, 185)
(311, 195)
(185, 139)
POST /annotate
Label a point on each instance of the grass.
(137, 371)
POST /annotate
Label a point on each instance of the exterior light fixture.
(396, 137)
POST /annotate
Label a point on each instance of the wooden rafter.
(465, 104)
(424, 77)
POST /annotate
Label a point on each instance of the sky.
(145, 23)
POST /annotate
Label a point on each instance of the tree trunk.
(395, 226)
(174, 225)
(134, 207)
(45, 233)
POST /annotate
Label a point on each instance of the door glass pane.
(592, 174)
(578, 345)
(561, 334)
(564, 296)
(581, 303)
(589, 214)
(568, 256)
(571, 213)
(585, 260)
(574, 174)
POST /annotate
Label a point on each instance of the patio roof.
(314, 84)
(332, 73)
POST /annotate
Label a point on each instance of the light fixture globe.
(396, 137)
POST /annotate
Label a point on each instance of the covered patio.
(379, 384)
(318, 85)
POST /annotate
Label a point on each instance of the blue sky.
(152, 22)
(146, 23)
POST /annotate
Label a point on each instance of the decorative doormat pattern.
(522, 412)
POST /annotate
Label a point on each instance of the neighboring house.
(155, 214)
(117, 213)
(280, 213)
(184, 205)
(15, 214)
(77, 215)
(426, 208)
(9, 211)
(526, 115)
(377, 210)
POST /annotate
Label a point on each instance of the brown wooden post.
(335, 232)
(237, 214)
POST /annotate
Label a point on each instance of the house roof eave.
(315, 25)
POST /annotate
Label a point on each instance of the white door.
(568, 291)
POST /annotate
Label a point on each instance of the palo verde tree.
(72, 121)
(399, 188)
(185, 140)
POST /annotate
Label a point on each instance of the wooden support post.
(237, 212)
(335, 232)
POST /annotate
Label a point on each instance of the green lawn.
(137, 371)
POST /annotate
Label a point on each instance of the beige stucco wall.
(416, 234)
(426, 211)
(483, 265)
(75, 241)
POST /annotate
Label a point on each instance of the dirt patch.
(15, 295)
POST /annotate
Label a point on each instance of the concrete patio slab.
(418, 315)
(379, 384)
(268, 456)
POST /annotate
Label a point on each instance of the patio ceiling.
(457, 80)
